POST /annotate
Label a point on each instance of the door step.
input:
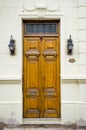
(42, 121)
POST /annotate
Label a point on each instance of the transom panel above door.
(41, 76)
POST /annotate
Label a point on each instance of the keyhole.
(41, 37)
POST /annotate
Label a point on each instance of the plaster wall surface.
(73, 75)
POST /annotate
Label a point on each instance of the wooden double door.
(41, 76)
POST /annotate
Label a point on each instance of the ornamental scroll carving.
(41, 8)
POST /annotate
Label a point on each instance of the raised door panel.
(51, 107)
(32, 77)
(33, 107)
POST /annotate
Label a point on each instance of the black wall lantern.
(69, 46)
(12, 46)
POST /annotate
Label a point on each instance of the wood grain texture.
(41, 76)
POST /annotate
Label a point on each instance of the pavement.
(44, 127)
(4, 126)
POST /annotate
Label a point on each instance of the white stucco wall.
(82, 57)
(73, 21)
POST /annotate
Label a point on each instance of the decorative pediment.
(40, 8)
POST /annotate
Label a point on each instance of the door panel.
(41, 77)
(51, 84)
(31, 77)
(33, 107)
(51, 107)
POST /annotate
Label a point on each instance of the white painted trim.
(36, 17)
(73, 102)
(11, 79)
(42, 121)
(73, 77)
(26, 15)
(49, 16)
(42, 11)
(16, 77)
(81, 6)
(10, 102)
(63, 102)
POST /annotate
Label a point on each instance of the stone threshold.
(42, 121)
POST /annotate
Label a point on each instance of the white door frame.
(27, 14)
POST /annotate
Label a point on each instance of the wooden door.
(41, 77)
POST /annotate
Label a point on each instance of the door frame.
(43, 35)
(55, 16)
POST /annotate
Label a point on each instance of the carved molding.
(32, 54)
(41, 9)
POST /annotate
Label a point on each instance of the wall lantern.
(12, 46)
(69, 46)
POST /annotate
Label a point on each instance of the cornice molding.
(74, 78)
(17, 79)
